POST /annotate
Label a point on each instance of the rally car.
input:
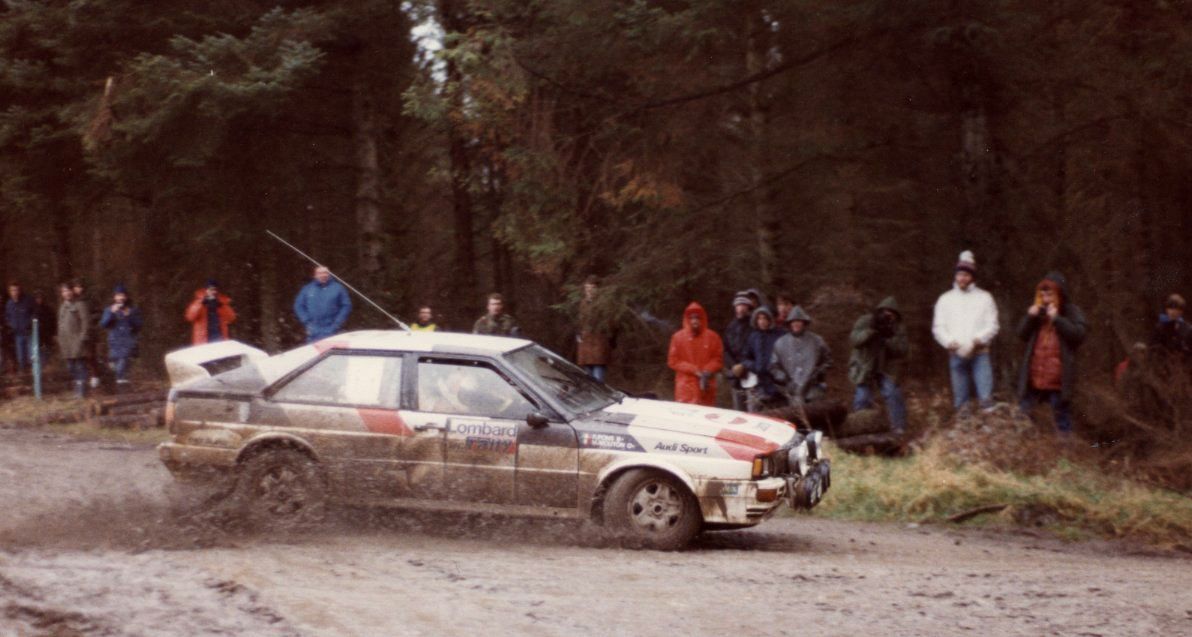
(456, 422)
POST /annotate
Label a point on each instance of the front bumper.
(740, 503)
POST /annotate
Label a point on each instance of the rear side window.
(348, 379)
(468, 389)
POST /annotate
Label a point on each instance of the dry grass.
(1069, 498)
(26, 409)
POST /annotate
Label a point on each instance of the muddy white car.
(455, 422)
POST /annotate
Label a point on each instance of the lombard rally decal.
(609, 441)
(486, 436)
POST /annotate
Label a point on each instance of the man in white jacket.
(965, 324)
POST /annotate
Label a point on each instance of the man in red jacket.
(696, 354)
(209, 314)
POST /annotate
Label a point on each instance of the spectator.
(1053, 329)
(322, 306)
(90, 346)
(878, 340)
(758, 353)
(696, 354)
(425, 317)
(210, 314)
(736, 339)
(784, 303)
(801, 360)
(594, 341)
(965, 324)
(496, 322)
(1172, 333)
(19, 312)
(123, 322)
(73, 330)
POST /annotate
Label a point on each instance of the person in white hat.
(965, 324)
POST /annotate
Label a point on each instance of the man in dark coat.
(758, 354)
(1173, 334)
(879, 340)
(496, 322)
(123, 322)
(736, 339)
(322, 306)
(19, 312)
(1053, 329)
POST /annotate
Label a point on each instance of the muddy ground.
(91, 545)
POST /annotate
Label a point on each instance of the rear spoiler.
(204, 361)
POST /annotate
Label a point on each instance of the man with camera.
(879, 340)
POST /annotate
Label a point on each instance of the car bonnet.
(748, 434)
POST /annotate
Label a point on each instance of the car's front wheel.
(652, 509)
(281, 488)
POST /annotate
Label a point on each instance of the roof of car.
(399, 340)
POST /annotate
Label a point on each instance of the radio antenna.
(338, 278)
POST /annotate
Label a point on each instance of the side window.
(348, 379)
(468, 390)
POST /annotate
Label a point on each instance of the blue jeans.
(78, 372)
(21, 344)
(967, 372)
(895, 406)
(1059, 407)
(597, 371)
(120, 367)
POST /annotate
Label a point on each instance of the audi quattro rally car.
(459, 422)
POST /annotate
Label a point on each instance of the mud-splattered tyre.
(650, 509)
(280, 489)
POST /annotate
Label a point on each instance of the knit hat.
(119, 289)
(212, 283)
(1174, 302)
(967, 263)
(741, 298)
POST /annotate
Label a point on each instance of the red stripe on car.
(385, 421)
(743, 446)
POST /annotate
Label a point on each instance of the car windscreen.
(564, 381)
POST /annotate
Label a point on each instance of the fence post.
(35, 354)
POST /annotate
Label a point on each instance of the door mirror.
(537, 420)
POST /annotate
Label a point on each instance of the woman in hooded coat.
(123, 322)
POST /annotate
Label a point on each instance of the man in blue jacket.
(323, 306)
(19, 313)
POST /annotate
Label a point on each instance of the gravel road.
(91, 545)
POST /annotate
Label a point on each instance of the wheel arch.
(613, 472)
(267, 442)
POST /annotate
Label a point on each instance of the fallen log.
(972, 513)
(129, 421)
(871, 443)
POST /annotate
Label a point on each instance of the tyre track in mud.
(91, 546)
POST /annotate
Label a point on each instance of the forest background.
(681, 150)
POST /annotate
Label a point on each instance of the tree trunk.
(768, 226)
(460, 165)
(368, 184)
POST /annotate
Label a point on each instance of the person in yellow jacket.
(425, 317)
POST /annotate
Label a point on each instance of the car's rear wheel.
(652, 509)
(281, 488)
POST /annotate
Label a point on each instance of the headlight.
(762, 467)
(814, 442)
(799, 457)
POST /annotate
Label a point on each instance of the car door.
(480, 413)
(346, 405)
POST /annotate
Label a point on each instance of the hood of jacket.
(758, 312)
(889, 303)
(697, 309)
(1060, 283)
(797, 313)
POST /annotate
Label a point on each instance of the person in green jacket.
(878, 340)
